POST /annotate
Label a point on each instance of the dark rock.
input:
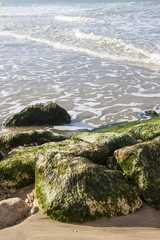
(2, 155)
(13, 140)
(152, 113)
(141, 164)
(73, 189)
(40, 114)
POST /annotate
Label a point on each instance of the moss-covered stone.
(141, 164)
(108, 140)
(95, 153)
(40, 114)
(124, 134)
(13, 140)
(17, 170)
(73, 189)
(152, 113)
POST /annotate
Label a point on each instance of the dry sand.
(142, 225)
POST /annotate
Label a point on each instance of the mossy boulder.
(96, 153)
(40, 114)
(74, 189)
(141, 164)
(124, 134)
(17, 170)
(13, 140)
(109, 140)
(152, 113)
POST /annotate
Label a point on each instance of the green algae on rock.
(17, 170)
(124, 134)
(141, 164)
(109, 140)
(12, 140)
(73, 189)
(40, 114)
(151, 113)
(95, 153)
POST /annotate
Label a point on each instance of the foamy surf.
(106, 48)
(73, 19)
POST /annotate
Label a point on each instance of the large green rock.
(121, 135)
(40, 114)
(141, 164)
(13, 140)
(73, 189)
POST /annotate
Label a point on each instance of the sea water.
(100, 60)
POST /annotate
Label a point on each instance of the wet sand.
(144, 224)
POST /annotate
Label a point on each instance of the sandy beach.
(144, 224)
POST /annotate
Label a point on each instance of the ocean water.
(100, 60)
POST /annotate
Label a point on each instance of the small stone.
(12, 211)
(151, 113)
(34, 210)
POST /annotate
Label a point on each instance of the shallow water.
(99, 60)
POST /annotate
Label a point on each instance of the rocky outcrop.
(12, 211)
(141, 164)
(18, 168)
(40, 114)
(13, 140)
(80, 179)
(73, 189)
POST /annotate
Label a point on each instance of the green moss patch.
(141, 164)
(73, 189)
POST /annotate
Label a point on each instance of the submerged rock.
(152, 113)
(12, 140)
(141, 164)
(40, 114)
(12, 211)
(73, 189)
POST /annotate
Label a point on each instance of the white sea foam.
(115, 49)
(73, 19)
(120, 50)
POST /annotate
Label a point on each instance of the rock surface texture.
(13, 140)
(40, 114)
(73, 189)
(141, 164)
(12, 211)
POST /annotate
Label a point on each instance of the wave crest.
(73, 19)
